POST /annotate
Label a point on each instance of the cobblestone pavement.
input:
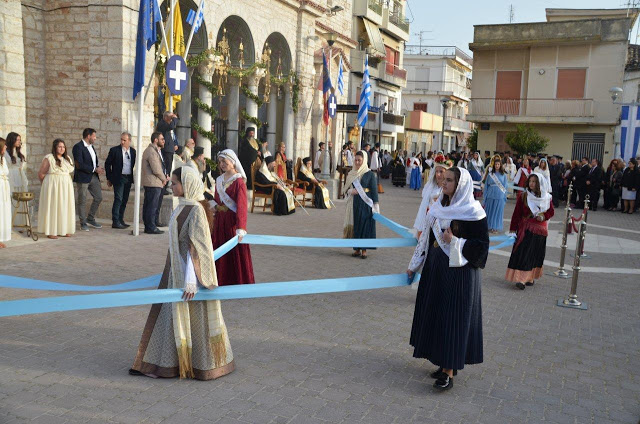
(338, 358)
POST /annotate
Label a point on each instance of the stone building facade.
(67, 65)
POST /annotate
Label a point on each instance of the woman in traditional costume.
(57, 210)
(283, 200)
(476, 170)
(399, 173)
(361, 190)
(510, 171)
(495, 194)
(530, 222)
(416, 172)
(543, 169)
(17, 163)
(281, 162)
(230, 201)
(320, 194)
(186, 339)
(523, 174)
(5, 197)
(630, 186)
(454, 245)
(427, 167)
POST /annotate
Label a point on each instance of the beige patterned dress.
(186, 339)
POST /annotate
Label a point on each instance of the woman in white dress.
(57, 210)
(17, 164)
(5, 197)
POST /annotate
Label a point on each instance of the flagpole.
(173, 12)
(136, 210)
(166, 46)
(193, 27)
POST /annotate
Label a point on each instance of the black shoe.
(84, 227)
(439, 373)
(124, 224)
(93, 223)
(520, 286)
(165, 192)
(154, 231)
(134, 372)
(529, 283)
(118, 226)
(444, 383)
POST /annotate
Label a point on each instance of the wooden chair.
(301, 187)
(256, 194)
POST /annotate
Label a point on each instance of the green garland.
(295, 88)
(210, 135)
(205, 107)
(241, 73)
(195, 60)
(255, 121)
(212, 163)
(210, 86)
(252, 96)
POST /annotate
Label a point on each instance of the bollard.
(561, 272)
(572, 300)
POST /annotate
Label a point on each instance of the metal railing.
(398, 20)
(396, 71)
(392, 119)
(532, 107)
(459, 90)
(375, 6)
(437, 51)
(457, 123)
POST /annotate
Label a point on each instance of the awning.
(375, 39)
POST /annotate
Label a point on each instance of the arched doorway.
(238, 33)
(274, 112)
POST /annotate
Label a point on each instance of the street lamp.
(615, 92)
(383, 109)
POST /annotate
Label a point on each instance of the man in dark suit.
(87, 178)
(594, 182)
(119, 167)
(580, 182)
(167, 126)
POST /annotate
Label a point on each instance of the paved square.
(338, 358)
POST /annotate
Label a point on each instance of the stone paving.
(338, 358)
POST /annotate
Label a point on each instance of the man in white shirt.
(375, 161)
(87, 178)
(319, 159)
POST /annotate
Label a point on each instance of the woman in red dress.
(281, 162)
(231, 204)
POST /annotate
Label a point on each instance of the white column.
(204, 119)
(183, 132)
(253, 81)
(233, 105)
(287, 124)
(272, 117)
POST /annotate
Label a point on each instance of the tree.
(472, 140)
(526, 139)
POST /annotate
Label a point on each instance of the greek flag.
(365, 92)
(340, 78)
(191, 17)
(629, 132)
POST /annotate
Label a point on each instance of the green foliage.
(205, 107)
(210, 86)
(206, 134)
(472, 140)
(252, 96)
(255, 121)
(526, 139)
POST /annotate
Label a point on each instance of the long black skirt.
(399, 176)
(318, 199)
(447, 322)
(280, 206)
(525, 263)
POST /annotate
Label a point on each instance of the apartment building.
(381, 29)
(554, 75)
(438, 85)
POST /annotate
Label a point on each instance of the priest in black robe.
(283, 201)
(248, 152)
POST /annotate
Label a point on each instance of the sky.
(451, 22)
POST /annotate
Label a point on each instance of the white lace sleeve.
(456, 259)
(190, 279)
(420, 253)
(241, 232)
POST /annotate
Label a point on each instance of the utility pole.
(512, 14)
(421, 39)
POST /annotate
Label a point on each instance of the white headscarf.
(230, 155)
(545, 173)
(462, 207)
(192, 185)
(431, 189)
(540, 204)
(356, 173)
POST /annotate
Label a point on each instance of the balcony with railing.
(394, 21)
(531, 110)
(392, 123)
(449, 88)
(370, 9)
(393, 74)
(457, 125)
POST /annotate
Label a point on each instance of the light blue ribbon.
(243, 291)
(393, 226)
